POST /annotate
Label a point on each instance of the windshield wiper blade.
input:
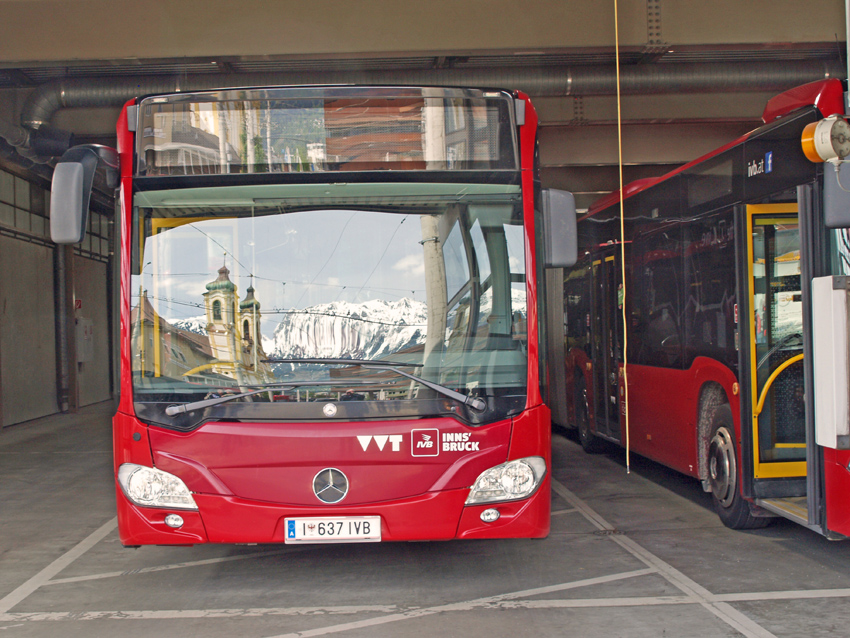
(375, 363)
(475, 403)
(174, 410)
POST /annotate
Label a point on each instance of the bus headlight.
(510, 481)
(149, 487)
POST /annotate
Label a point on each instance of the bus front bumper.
(227, 519)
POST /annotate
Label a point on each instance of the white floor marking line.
(19, 594)
(161, 568)
(573, 603)
(189, 614)
(469, 605)
(508, 600)
(800, 594)
(724, 611)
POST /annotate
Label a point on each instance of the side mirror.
(70, 191)
(560, 240)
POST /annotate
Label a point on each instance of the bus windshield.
(267, 287)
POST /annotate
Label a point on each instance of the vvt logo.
(425, 442)
(381, 441)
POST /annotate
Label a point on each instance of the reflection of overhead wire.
(384, 289)
(217, 243)
(310, 313)
(174, 302)
(389, 289)
(177, 274)
(381, 258)
(327, 261)
(353, 318)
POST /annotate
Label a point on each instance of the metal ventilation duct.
(541, 81)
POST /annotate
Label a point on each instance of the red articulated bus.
(330, 316)
(734, 342)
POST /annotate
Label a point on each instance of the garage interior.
(692, 76)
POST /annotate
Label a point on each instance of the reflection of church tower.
(235, 335)
(220, 304)
(249, 314)
(249, 317)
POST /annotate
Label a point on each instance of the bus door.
(606, 330)
(776, 384)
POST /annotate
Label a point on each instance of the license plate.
(333, 529)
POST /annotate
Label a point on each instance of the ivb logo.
(425, 442)
(760, 166)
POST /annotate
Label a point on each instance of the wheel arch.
(717, 386)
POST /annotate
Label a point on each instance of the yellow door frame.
(771, 469)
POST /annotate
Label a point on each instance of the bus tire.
(590, 443)
(731, 507)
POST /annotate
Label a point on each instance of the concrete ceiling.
(695, 74)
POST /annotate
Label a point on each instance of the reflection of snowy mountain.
(345, 330)
(198, 325)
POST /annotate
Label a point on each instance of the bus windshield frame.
(326, 130)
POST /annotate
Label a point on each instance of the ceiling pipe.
(47, 99)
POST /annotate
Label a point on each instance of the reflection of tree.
(261, 164)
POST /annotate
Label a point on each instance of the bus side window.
(659, 272)
(710, 289)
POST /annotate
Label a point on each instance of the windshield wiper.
(375, 363)
(174, 410)
(475, 403)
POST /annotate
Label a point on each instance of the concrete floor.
(632, 555)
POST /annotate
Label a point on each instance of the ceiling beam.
(56, 30)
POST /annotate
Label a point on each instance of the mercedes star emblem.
(330, 485)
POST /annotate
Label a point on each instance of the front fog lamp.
(150, 487)
(490, 515)
(510, 481)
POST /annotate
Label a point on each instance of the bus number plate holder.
(333, 529)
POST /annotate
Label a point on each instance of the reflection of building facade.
(163, 350)
(234, 332)
(198, 139)
(415, 133)
(351, 126)
(230, 351)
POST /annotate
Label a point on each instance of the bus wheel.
(731, 507)
(590, 443)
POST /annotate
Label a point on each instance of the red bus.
(329, 314)
(734, 337)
